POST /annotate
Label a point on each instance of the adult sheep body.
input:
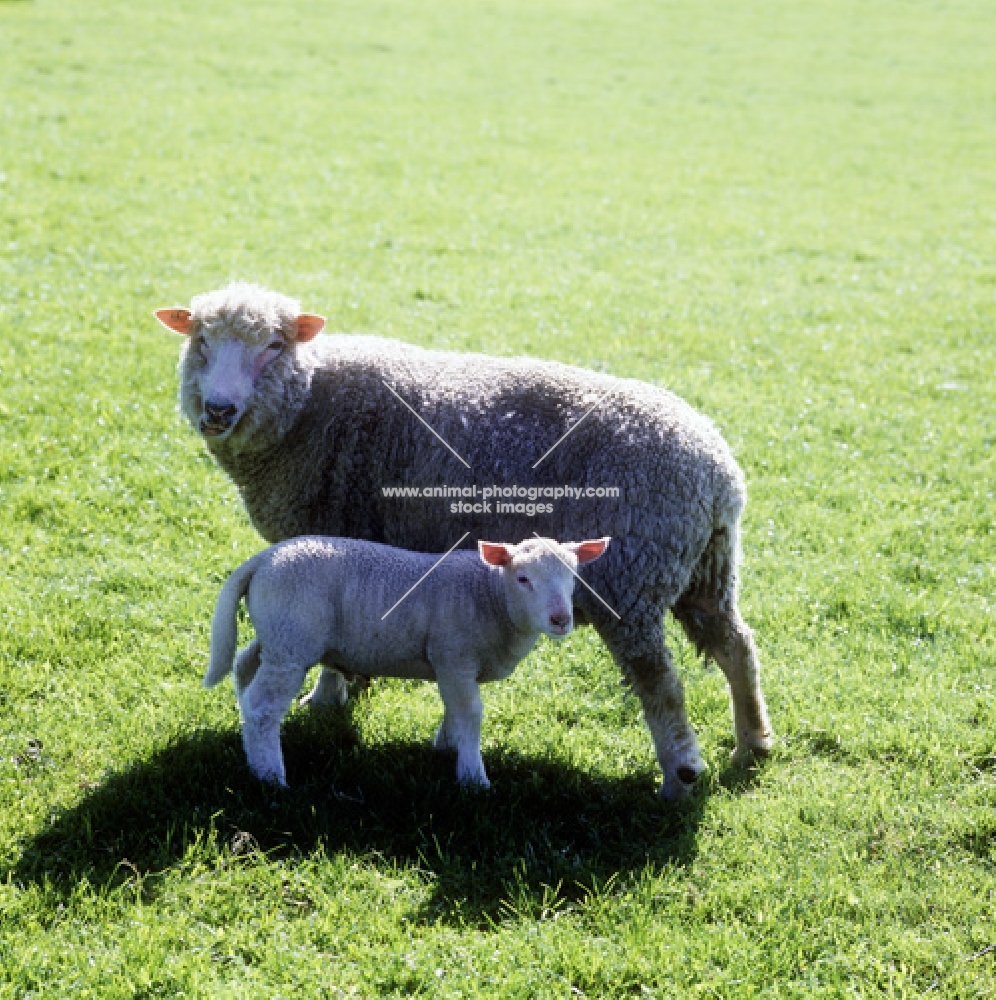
(312, 428)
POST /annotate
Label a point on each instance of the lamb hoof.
(270, 778)
(474, 782)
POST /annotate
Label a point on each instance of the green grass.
(783, 211)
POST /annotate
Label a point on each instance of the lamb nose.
(220, 411)
(561, 621)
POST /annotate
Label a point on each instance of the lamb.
(375, 610)
(311, 429)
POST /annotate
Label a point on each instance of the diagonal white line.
(592, 589)
(422, 577)
(573, 427)
(430, 428)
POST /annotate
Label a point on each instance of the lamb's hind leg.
(637, 643)
(263, 703)
(246, 665)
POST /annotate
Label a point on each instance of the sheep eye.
(201, 347)
(276, 346)
(524, 580)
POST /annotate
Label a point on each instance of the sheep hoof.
(680, 784)
(754, 747)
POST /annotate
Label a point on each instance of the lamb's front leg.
(460, 729)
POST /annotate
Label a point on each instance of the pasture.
(785, 213)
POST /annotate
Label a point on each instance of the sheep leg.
(460, 729)
(263, 703)
(330, 690)
(647, 666)
(246, 665)
(441, 741)
(750, 713)
(723, 635)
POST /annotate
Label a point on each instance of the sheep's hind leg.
(723, 635)
(460, 729)
(637, 643)
(263, 704)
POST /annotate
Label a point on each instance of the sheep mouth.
(215, 428)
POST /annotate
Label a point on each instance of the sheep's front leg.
(460, 729)
(263, 703)
(330, 690)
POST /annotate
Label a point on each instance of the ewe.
(379, 611)
(312, 428)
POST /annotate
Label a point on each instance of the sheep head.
(239, 361)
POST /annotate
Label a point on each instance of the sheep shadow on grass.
(544, 824)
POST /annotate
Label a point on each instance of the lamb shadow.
(543, 825)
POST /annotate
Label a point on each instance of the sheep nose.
(561, 620)
(220, 412)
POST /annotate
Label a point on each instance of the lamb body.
(310, 428)
(381, 611)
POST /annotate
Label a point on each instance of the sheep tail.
(224, 624)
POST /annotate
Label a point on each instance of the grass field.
(786, 212)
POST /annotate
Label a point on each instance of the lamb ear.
(177, 320)
(589, 551)
(307, 327)
(495, 553)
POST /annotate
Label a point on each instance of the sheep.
(311, 429)
(460, 620)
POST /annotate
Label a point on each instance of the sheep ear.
(589, 551)
(177, 320)
(495, 553)
(307, 327)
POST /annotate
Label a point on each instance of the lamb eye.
(524, 580)
(276, 346)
